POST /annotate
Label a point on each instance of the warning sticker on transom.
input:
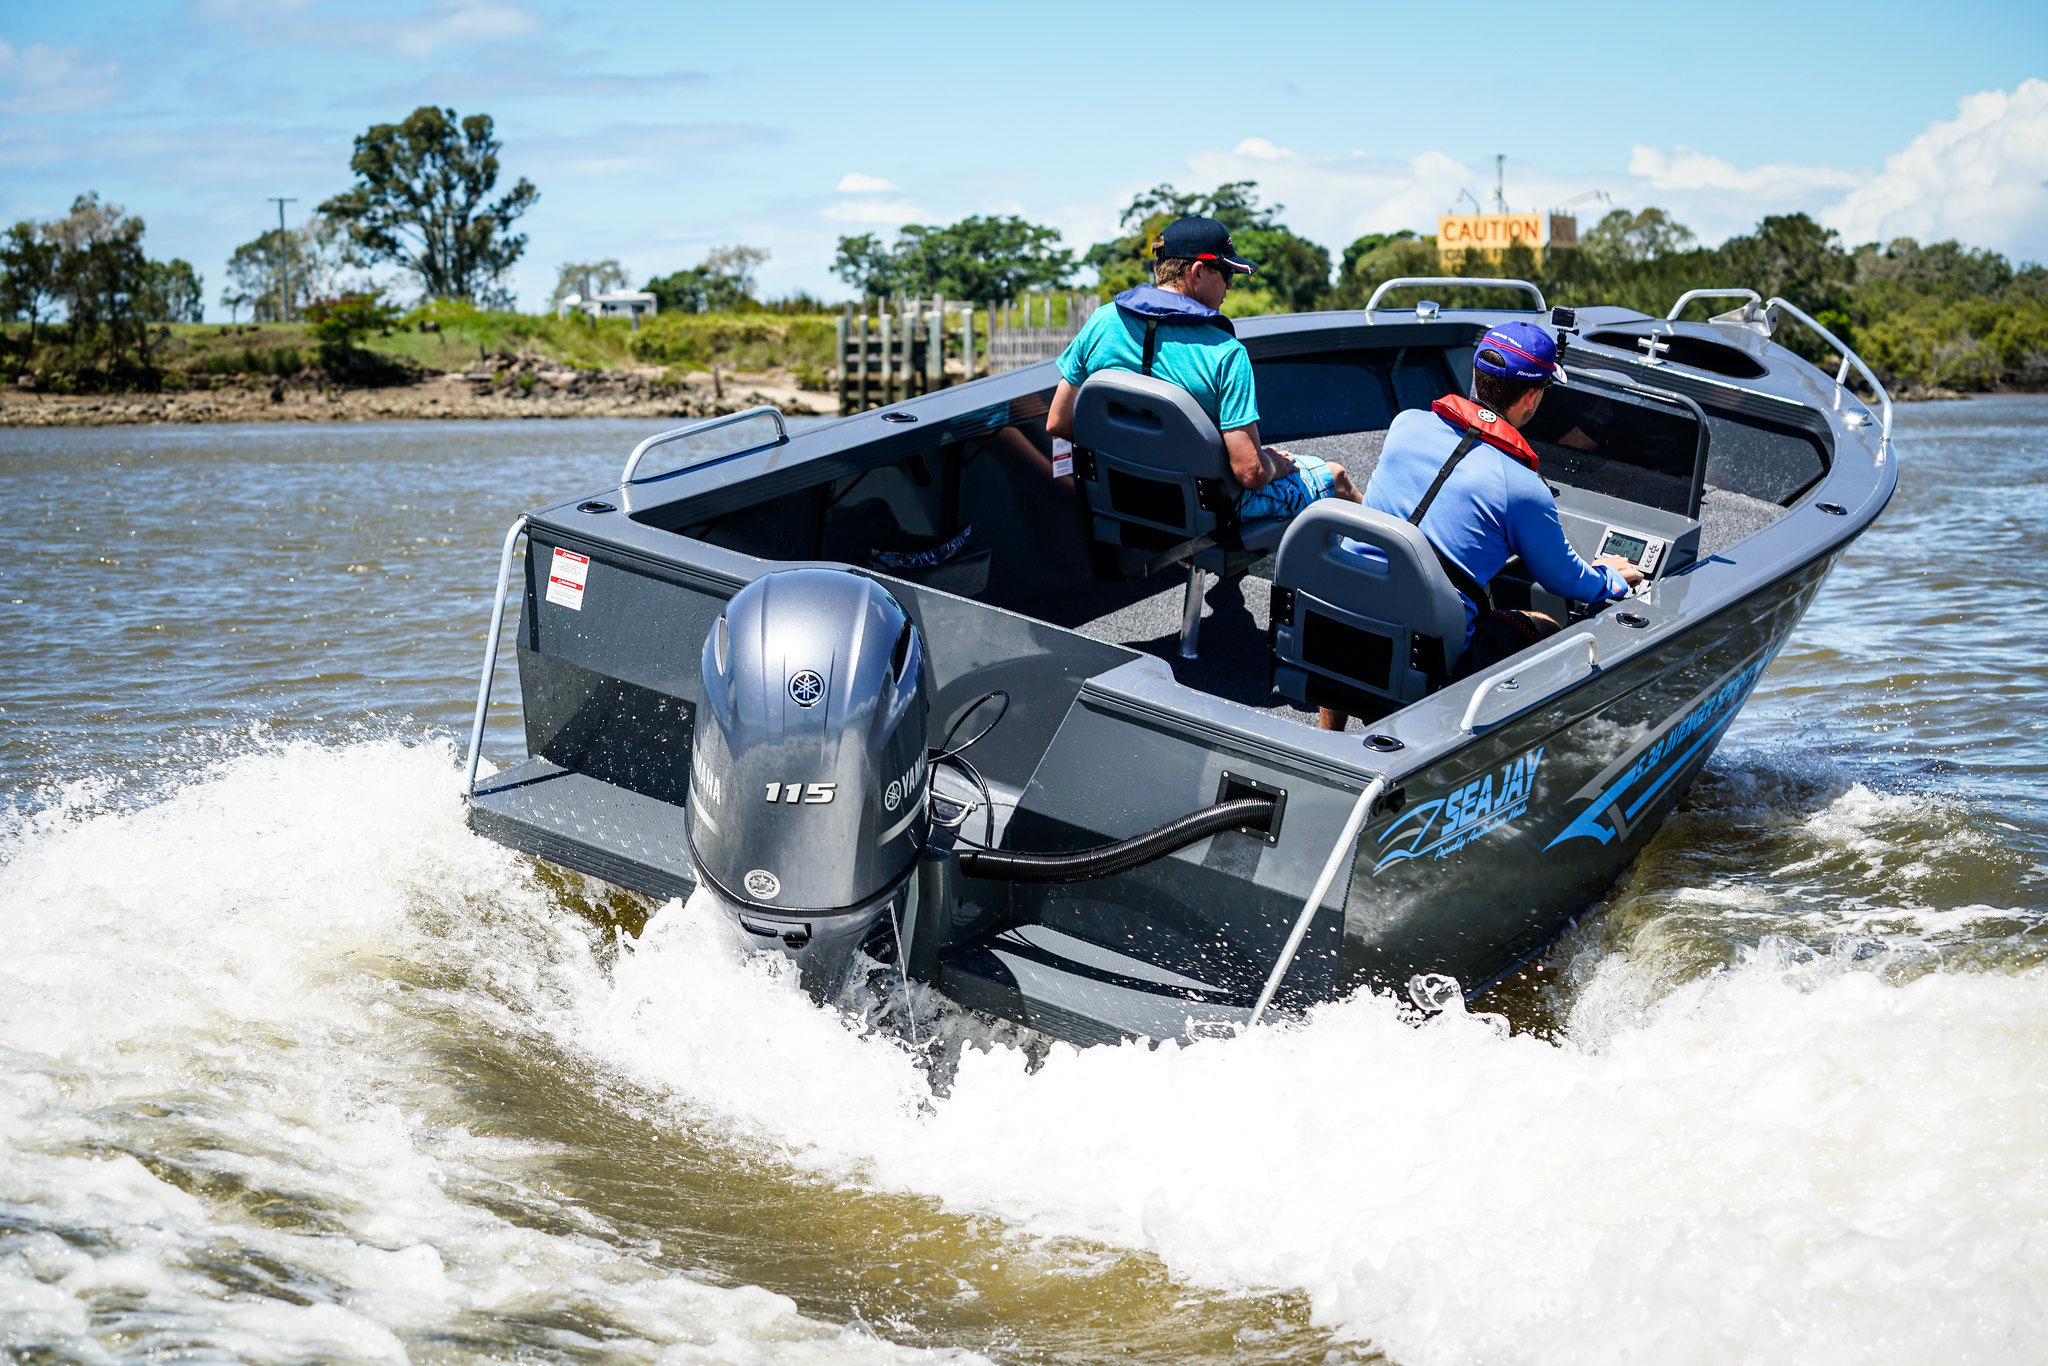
(565, 578)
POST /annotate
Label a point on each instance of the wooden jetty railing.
(902, 350)
(1025, 332)
(896, 350)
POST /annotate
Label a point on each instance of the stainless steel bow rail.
(697, 428)
(1762, 313)
(1755, 300)
(1776, 306)
(1454, 281)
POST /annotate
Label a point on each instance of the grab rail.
(483, 691)
(1374, 301)
(1360, 809)
(1692, 294)
(1519, 665)
(663, 438)
(1849, 358)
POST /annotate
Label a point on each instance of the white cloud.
(1681, 169)
(445, 23)
(853, 182)
(893, 212)
(1981, 178)
(40, 79)
(618, 152)
(1333, 199)
(460, 22)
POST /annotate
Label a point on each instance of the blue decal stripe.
(1676, 764)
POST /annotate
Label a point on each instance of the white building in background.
(616, 303)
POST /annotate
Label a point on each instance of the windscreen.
(1603, 440)
(1321, 395)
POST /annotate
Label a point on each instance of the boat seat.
(1364, 618)
(1157, 478)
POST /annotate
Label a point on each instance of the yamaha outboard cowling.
(807, 777)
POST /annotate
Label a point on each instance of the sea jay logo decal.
(1621, 792)
(1442, 827)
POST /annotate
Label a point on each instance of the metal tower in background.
(284, 263)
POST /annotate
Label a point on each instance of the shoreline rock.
(554, 393)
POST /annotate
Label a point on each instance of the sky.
(656, 132)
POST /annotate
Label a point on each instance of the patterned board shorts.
(1503, 633)
(1289, 494)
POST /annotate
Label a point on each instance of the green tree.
(422, 199)
(983, 260)
(342, 321)
(867, 263)
(1791, 256)
(101, 275)
(174, 293)
(1293, 272)
(28, 274)
(1622, 236)
(586, 279)
(722, 283)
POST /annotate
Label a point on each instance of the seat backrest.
(1157, 458)
(1365, 602)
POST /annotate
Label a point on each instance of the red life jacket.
(1493, 429)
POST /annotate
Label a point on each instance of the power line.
(284, 262)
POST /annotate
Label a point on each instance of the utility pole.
(284, 263)
(1500, 183)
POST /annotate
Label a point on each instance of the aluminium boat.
(1040, 730)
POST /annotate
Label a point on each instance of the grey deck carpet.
(1144, 614)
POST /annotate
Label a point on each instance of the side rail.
(1509, 675)
(698, 429)
(1455, 280)
(1755, 299)
(1849, 358)
(483, 691)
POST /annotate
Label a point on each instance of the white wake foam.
(221, 1131)
(1796, 1158)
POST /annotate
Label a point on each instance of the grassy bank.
(443, 338)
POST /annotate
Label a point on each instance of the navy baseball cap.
(1528, 354)
(1202, 239)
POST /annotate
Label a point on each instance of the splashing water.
(293, 1067)
(241, 1115)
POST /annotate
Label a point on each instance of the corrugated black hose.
(1006, 865)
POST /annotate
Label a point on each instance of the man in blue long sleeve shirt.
(1492, 504)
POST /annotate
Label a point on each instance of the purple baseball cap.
(1528, 353)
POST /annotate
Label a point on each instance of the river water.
(294, 1068)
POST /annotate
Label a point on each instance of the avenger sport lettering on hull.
(1620, 793)
(1144, 834)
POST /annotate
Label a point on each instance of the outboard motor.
(807, 804)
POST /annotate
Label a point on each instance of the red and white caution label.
(565, 578)
(1062, 457)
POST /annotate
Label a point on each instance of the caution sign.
(565, 578)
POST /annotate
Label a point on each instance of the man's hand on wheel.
(1622, 567)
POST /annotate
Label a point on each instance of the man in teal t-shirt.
(1195, 348)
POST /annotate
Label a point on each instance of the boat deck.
(1145, 614)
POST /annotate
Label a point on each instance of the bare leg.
(1330, 719)
(1342, 487)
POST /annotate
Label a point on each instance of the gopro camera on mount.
(1564, 319)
